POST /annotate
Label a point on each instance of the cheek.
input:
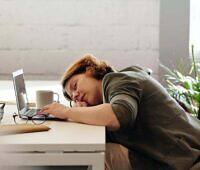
(89, 94)
(93, 95)
(89, 88)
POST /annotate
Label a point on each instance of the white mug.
(45, 97)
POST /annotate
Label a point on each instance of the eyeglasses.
(71, 103)
(2, 105)
(23, 119)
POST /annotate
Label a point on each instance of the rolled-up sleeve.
(125, 108)
(124, 96)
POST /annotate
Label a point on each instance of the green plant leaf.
(185, 89)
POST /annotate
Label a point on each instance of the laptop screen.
(20, 91)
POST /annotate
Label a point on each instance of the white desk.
(67, 143)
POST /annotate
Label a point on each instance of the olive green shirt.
(157, 131)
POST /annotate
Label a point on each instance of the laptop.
(22, 99)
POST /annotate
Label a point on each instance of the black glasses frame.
(2, 110)
(27, 118)
(70, 103)
(3, 105)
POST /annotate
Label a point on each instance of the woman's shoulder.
(126, 77)
(123, 82)
(137, 69)
(114, 77)
(129, 74)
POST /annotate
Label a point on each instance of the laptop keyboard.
(31, 112)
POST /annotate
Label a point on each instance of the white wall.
(44, 36)
(174, 32)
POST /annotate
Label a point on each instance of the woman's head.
(82, 81)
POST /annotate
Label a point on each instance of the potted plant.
(185, 89)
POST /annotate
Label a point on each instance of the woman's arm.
(94, 115)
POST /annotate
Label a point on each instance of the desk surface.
(63, 136)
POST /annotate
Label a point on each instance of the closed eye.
(75, 86)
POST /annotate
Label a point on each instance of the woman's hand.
(56, 109)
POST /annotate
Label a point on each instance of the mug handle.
(57, 97)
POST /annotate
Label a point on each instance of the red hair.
(88, 63)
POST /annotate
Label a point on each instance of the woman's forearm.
(95, 115)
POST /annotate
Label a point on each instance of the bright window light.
(195, 26)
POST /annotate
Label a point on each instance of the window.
(195, 27)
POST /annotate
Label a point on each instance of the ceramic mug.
(45, 97)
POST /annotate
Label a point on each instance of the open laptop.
(21, 97)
